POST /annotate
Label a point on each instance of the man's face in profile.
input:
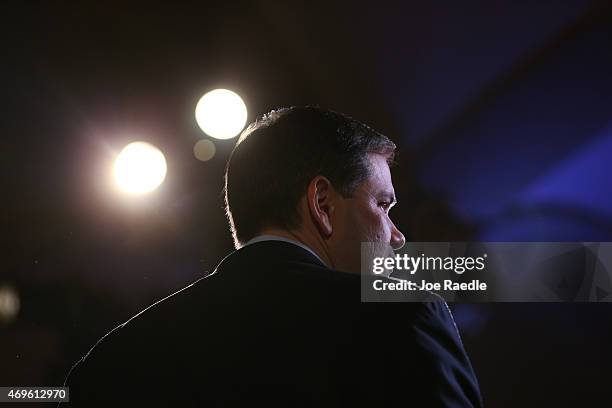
(365, 218)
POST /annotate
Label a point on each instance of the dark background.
(501, 111)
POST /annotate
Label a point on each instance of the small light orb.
(140, 168)
(221, 114)
(204, 150)
(9, 304)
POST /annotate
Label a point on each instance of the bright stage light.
(140, 168)
(221, 114)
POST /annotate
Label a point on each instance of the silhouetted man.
(280, 322)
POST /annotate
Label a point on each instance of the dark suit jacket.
(272, 326)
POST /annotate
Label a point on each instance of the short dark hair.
(278, 155)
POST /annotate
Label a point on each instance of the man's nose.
(397, 238)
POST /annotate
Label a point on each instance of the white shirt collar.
(268, 237)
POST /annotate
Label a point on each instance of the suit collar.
(268, 237)
(272, 251)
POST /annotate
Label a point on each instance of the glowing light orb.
(140, 168)
(204, 150)
(221, 114)
(9, 304)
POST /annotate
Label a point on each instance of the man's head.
(316, 176)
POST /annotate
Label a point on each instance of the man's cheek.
(373, 233)
(379, 232)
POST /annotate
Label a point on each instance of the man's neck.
(315, 245)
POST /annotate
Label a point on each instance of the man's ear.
(320, 197)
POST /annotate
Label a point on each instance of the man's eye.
(384, 204)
